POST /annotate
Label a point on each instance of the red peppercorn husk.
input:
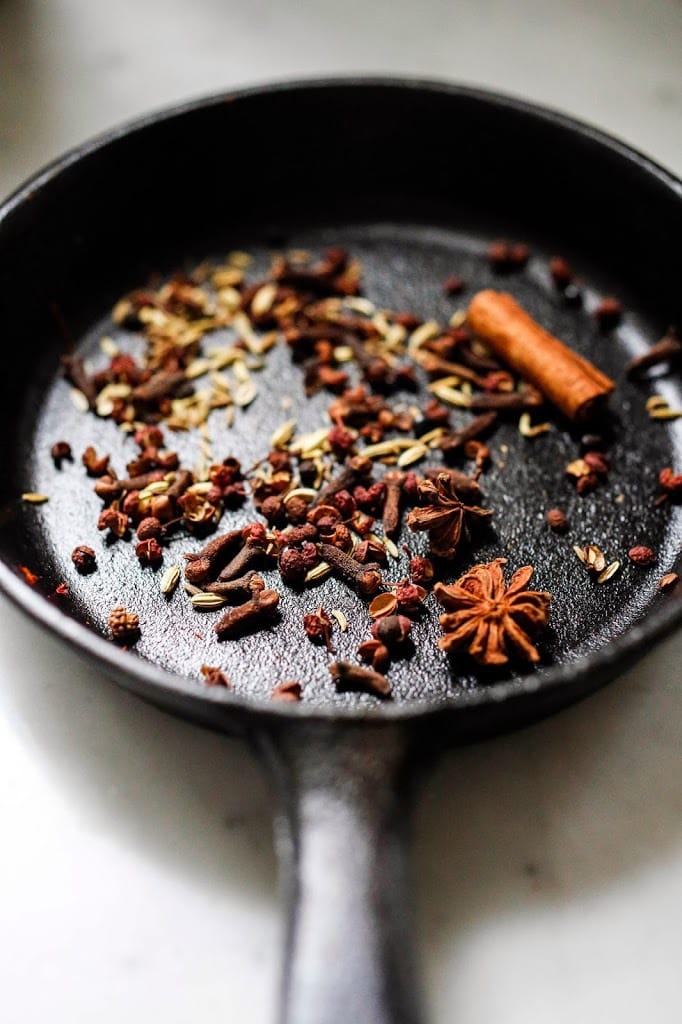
(114, 521)
(288, 691)
(213, 676)
(318, 627)
(149, 552)
(375, 653)
(94, 464)
(421, 569)
(671, 484)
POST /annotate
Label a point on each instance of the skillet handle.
(341, 840)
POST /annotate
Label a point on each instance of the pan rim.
(656, 624)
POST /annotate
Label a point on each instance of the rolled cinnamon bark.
(567, 380)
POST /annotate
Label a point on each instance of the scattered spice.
(671, 485)
(287, 691)
(366, 579)
(30, 577)
(608, 572)
(169, 580)
(84, 558)
(421, 569)
(254, 614)
(557, 520)
(669, 582)
(95, 465)
(382, 604)
(505, 256)
(591, 556)
(213, 676)
(444, 517)
(149, 552)
(348, 676)
(391, 630)
(642, 555)
(61, 452)
(318, 627)
(489, 619)
(332, 499)
(608, 313)
(666, 351)
(561, 272)
(567, 380)
(453, 285)
(124, 625)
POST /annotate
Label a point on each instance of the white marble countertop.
(137, 878)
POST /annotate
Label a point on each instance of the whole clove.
(207, 563)
(452, 444)
(348, 676)
(238, 590)
(75, 372)
(357, 469)
(366, 579)
(250, 554)
(667, 350)
(160, 385)
(253, 614)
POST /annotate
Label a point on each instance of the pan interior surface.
(406, 252)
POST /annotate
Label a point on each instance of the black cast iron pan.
(415, 179)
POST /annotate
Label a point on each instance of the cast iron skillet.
(415, 178)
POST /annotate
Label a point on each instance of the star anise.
(444, 517)
(490, 619)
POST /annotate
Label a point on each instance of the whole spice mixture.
(401, 455)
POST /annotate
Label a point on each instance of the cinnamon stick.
(571, 383)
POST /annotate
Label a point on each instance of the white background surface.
(137, 880)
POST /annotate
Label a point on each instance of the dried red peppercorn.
(84, 558)
(557, 520)
(453, 285)
(392, 630)
(642, 555)
(608, 313)
(149, 528)
(562, 273)
(292, 566)
(318, 627)
(421, 569)
(61, 451)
